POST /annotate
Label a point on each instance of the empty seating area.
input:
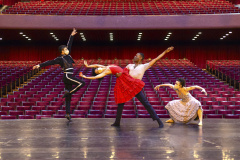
(14, 73)
(122, 7)
(226, 70)
(41, 98)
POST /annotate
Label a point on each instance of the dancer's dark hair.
(182, 81)
(142, 55)
(95, 74)
(60, 48)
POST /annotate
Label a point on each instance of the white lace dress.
(185, 109)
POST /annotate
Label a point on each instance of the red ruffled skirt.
(126, 88)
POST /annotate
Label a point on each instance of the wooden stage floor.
(135, 139)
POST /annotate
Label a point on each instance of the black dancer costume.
(66, 61)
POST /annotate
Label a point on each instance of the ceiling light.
(197, 35)
(24, 35)
(0, 39)
(57, 39)
(81, 33)
(21, 33)
(51, 33)
(230, 32)
(193, 39)
(165, 39)
(221, 38)
(29, 39)
(227, 34)
(199, 32)
(169, 33)
(224, 36)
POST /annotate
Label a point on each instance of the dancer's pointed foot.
(66, 94)
(170, 121)
(160, 123)
(200, 124)
(68, 116)
(116, 124)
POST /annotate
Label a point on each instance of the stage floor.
(135, 139)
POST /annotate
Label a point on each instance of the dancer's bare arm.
(163, 85)
(93, 65)
(103, 74)
(151, 63)
(197, 87)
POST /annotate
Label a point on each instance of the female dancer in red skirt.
(125, 88)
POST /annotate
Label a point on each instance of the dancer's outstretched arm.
(103, 74)
(162, 85)
(197, 87)
(47, 63)
(93, 65)
(70, 41)
(160, 56)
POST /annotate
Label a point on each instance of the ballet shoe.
(160, 123)
(115, 124)
(68, 116)
(170, 121)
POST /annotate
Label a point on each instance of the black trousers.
(140, 96)
(69, 81)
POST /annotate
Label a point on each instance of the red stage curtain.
(10, 2)
(196, 54)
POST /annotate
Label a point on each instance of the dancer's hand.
(169, 49)
(81, 75)
(36, 66)
(74, 32)
(86, 64)
(157, 87)
(204, 91)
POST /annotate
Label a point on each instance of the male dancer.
(137, 71)
(66, 63)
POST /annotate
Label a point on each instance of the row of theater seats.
(122, 7)
(226, 70)
(13, 73)
(42, 96)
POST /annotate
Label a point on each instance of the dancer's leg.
(200, 115)
(140, 96)
(68, 100)
(75, 81)
(119, 115)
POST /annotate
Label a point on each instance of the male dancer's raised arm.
(70, 41)
(151, 63)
